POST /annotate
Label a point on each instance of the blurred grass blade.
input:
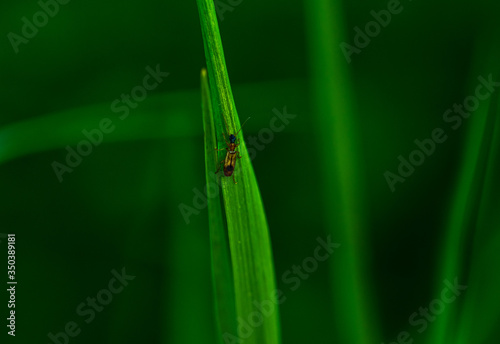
(45, 132)
(341, 172)
(249, 241)
(479, 318)
(471, 228)
(56, 130)
(222, 278)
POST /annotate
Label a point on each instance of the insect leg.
(221, 163)
(234, 180)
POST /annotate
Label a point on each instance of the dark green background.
(119, 208)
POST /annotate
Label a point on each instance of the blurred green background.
(120, 206)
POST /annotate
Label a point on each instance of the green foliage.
(222, 277)
(252, 263)
(341, 167)
(321, 175)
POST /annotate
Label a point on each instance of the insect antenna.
(242, 126)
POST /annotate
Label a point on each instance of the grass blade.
(341, 171)
(248, 232)
(222, 278)
(469, 237)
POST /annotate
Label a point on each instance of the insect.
(232, 154)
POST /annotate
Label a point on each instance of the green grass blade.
(479, 318)
(45, 132)
(248, 232)
(56, 130)
(341, 169)
(469, 237)
(225, 308)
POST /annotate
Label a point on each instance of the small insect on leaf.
(232, 154)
